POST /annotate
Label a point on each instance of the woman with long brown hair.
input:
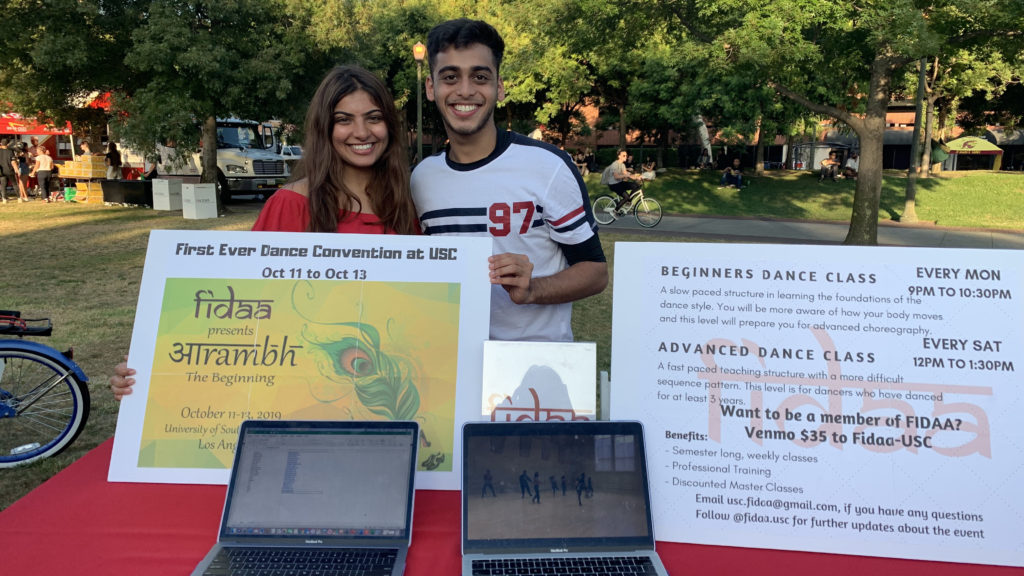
(354, 175)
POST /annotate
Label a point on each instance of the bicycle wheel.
(647, 212)
(604, 209)
(43, 405)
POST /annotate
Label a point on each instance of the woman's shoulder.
(287, 210)
(299, 187)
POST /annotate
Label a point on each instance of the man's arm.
(514, 271)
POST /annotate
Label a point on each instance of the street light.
(419, 51)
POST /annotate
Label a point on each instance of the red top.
(288, 211)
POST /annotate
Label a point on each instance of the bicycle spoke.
(38, 392)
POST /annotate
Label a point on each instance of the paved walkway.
(800, 231)
(807, 232)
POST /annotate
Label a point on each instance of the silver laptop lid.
(320, 484)
(592, 477)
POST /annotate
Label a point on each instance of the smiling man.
(526, 195)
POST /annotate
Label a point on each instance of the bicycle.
(44, 395)
(647, 211)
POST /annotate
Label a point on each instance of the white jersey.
(527, 196)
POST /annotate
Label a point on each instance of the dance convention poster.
(246, 325)
(837, 399)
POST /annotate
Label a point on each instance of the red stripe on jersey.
(567, 217)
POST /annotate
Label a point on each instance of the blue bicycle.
(44, 395)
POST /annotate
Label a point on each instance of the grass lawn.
(960, 199)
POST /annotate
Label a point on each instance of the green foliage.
(202, 60)
(57, 53)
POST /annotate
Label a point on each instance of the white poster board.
(835, 399)
(266, 325)
(539, 381)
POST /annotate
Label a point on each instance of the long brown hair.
(388, 191)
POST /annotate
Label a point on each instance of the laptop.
(556, 498)
(328, 497)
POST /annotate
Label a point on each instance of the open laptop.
(558, 497)
(334, 495)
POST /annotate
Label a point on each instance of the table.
(139, 192)
(78, 523)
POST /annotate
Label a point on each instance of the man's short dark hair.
(461, 33)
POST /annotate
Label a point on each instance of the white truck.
(248, 160)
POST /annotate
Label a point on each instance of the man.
(732, 176)
(619, 179)
(524, 485)
(852, 166)
(829, 167)
(524, 194)
(7, 168)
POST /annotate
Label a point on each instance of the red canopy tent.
(15, 124)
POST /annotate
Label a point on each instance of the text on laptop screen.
(545, 487)
(315, 482)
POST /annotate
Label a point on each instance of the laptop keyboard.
(302, 562)
(553, 566)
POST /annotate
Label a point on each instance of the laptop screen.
(322, 480)
(562, 486)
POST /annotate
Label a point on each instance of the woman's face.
(360, 135)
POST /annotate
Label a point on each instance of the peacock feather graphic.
(382, 383)
(349, 357)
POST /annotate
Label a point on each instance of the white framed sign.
(835, 399)
(267, 325)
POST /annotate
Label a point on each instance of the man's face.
(736, 163)
(622, 156)
(466, 88)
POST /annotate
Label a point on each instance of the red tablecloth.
(78, 523)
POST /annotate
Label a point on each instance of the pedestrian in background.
(42, 170)
(113, 162)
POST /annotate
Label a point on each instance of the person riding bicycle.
(619, 179)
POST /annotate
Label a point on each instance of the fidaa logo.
(231, 308)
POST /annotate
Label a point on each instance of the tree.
(201, 60)
(839, 59)
(56, 55)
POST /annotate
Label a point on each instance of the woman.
(23, 171)
(353, 177)
(42, 170)
(113, 161)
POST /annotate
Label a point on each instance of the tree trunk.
(929, 127)
(871, 131)
(788, 160)
(759, 156)
(209, 157)
(910, 201)
(622, 127)
(662, 146)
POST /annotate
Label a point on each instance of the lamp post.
(418, 52)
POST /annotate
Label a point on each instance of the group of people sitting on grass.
(833, 169)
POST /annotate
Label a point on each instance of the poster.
(835, 399)
(535, 381)
(238, 325)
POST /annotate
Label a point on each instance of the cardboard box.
(199, 201)
(166, 194)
